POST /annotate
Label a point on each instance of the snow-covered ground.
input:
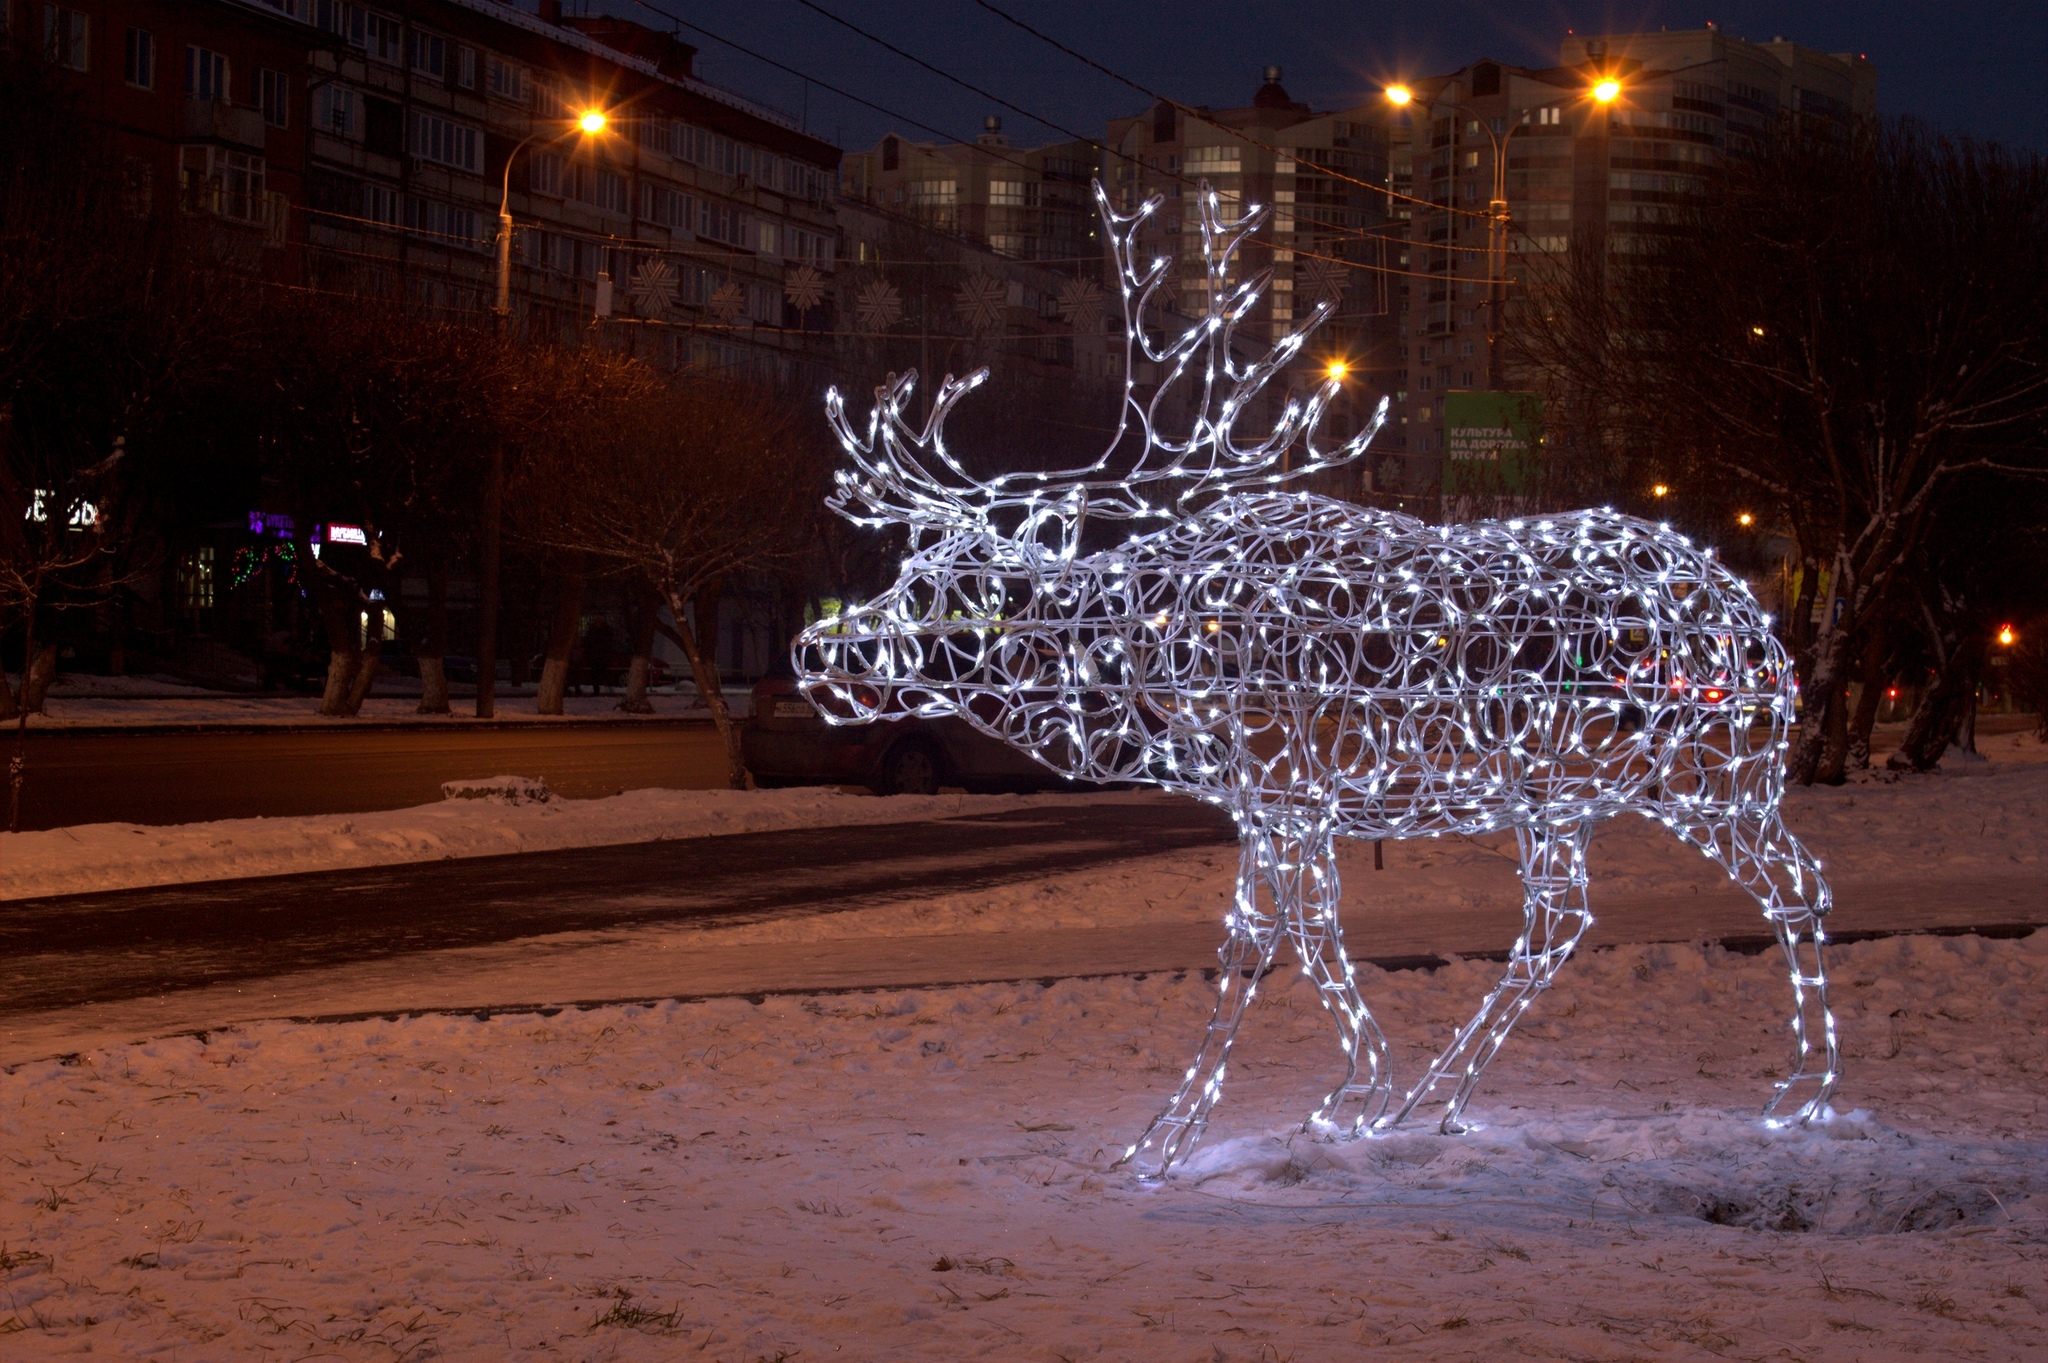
(113, 856)
(927, 1175)
(1980, 818)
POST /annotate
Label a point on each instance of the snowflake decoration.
(1322, 279)
(1322, 670)
(1081, 304)
(877, 306)
(728, 301)
(804, 287)
(979, 301)
(653, 288)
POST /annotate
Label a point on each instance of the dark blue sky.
(1976, 66)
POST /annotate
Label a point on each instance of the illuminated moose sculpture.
(1320, 669)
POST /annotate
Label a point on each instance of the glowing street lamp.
(1745, 520)
(1399, 95)
(1660, 491)
(1337, 369)
(1607, 91)
(592, 121)
(2006, 636)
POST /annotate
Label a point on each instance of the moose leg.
(1765, 859)
(1254, 934)
(1554, 905)
(1319, 942)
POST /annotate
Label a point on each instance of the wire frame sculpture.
(1321, 670)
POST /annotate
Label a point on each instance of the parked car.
(787, 743)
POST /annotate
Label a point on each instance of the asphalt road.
(158, 778)
(71, 950)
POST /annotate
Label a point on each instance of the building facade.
(1028, 203)
(1579, 173)
(1329, 235)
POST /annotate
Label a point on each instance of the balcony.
(217, 120)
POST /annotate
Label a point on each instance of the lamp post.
(591, 122)
(1603, 92)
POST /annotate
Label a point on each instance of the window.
(343, 20)
(228, 184)
(1006, 193)
(427, 54)
(138, 61)
(273, 95)
(465, 67)
(1213, 160)
(381, 37)
(934, 193)
(447, 142)
(206, 74)
(459, 226)
(506, 81)
(336, 111)
(380, 204)
(64, 36)
(611, 191)
(544, 174)
(1550, 117)
(767, 239)
(195, 579)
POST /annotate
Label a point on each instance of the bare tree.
(1844, 320)
(680, 485)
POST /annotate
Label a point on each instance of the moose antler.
(892, 480)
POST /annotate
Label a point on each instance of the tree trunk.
(1834, 753)
(17, 766)
(1865, 719)
(635, 702)
(1823, 688)
(554, 673)
(488, 589)
(42, 671)
(433, 645)
(704, 669)
(1945, 705)
(366, 663)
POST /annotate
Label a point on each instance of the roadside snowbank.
(925, 1175)
(169, 708)
(113, 856)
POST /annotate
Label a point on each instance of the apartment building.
(1580, 172)
(1327, 237)
(1029, 203)
(366, 147)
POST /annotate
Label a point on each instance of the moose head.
(998, 614)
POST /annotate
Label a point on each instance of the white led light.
(1321, 670)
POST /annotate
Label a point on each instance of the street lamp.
(589, 123)
(1604, 92)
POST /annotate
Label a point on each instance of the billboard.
(1490, 443)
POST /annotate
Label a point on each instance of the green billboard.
(1490, 443)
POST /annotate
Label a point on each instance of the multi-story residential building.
(1582, 173)
(367, 146)
(1327, 238)
(1031, 203)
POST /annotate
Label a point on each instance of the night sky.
(1973, 67)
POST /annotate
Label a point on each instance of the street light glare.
(1661, 490)
(593, 121)
(1337, 369)
(1607, 91)
(1399, 94)
(2006, 636)
(1745, 519)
